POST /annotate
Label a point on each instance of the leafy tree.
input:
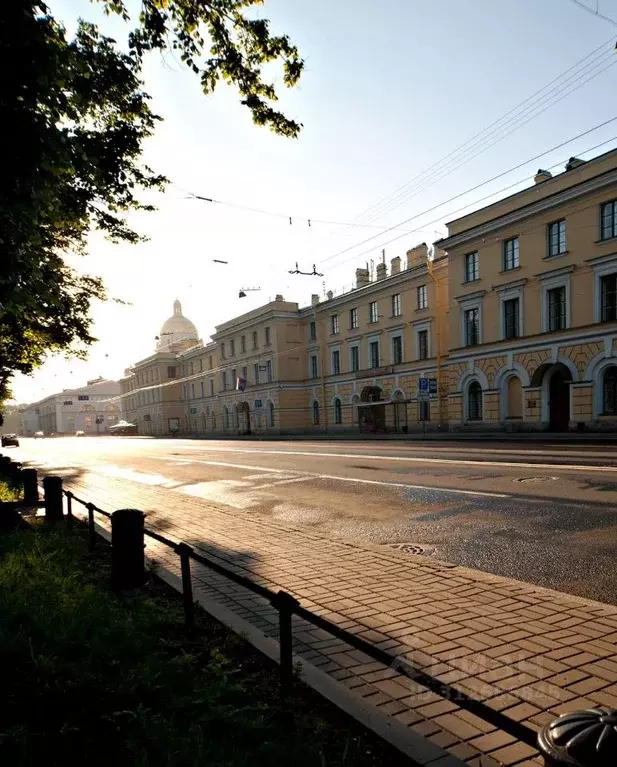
(75, 117)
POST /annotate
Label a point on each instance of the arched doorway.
(244, 418)
(514, 393)
(372, 415)
(355, 410)
(559, 399)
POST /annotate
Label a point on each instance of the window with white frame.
(202, 389)
(267, 336)
(422, 297)
(223, 350)
(608, 220)
(313, 366)
(242, 344)
(472, 267)
(556, 307)
(334, 324)
(474, 402)
(373, 312)
(353, 319)
(336, 362)
(373, 350)
(397, 350)
(315, 413)
(223, 381)
(511, 258)
(609, 391)
(422, 348)
(354, 358)
(556, 237)
(313, 331)
(212, 387)
(338, 411)
(269, 375)
(556, 300)
(511, 317)
(396, 305)
(256, 373)
(472, 326)
(608, 298)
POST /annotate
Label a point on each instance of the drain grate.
(535, 479)
(412, 548)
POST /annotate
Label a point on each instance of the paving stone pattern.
(530, 652)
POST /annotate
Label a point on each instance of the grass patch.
(7, 493)
(92, 677)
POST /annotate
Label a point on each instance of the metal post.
(91, 527)
(285, 604)
(127, 549)
(31, 485)
(52, 490)
(69, 509)
(184, 551)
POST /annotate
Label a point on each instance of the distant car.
(39, 434)
(80, 433)
(10, 439)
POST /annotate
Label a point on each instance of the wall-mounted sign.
(374, 372)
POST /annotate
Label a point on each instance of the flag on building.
(240, 384)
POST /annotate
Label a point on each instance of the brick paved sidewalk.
(530, 652)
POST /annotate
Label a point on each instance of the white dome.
(176, 328)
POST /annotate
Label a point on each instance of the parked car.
(39, 434)
(80, 433)
(10, 439)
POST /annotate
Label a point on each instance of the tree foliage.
(76, 116)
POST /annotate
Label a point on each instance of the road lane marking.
(277, 482)
(410, 459)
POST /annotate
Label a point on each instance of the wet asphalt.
(545, 513)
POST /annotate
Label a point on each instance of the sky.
(391, 87)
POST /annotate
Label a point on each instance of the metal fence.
(285, 604)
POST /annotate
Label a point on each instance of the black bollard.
(127, 549)
(52, 490)
(31, 485)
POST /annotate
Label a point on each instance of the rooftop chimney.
(362, 278)
(279, 297)
(574, 162)
(417, 256)
(542, 175)
(381, 271)
(395, 265)
(314, 299)
(330, 295)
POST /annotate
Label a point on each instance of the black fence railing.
(124, 524)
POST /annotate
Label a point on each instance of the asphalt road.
(541, 512)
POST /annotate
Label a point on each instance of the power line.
(595, 13)
(454, 160)
(472, 189)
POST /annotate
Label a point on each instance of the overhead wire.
(374, 209)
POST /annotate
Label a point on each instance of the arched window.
(338, 411)
(315, 413)
(355, 409)
(236, 418)
(609, 391)
(474, 401)
(270, 413)
(225, 418)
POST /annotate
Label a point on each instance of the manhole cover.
(412, 548)
(535, 479)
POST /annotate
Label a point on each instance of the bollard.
(31, 485)
(69, 509)
(5, 465)
(184, 551)
(285, 603)
(580, 739)
(15, 475)
(52, 491)
(127, 549)
(91, 527)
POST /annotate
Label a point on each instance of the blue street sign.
(423, 384)
(432, 385)
(257, 404)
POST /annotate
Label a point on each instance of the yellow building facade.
(507, 324)
(533, 309)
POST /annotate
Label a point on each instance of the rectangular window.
(242, 344)
(557, 308)
(83, 397)
(232, 348)
(212, 387)
(510, 254)
(184, 392)
(192, 370)
(313, 366)
(557, 238)
(267, 335)
(223, 350)
(422, 297)
(355, 359)
(256, 373)
(396, 305)
(373, 312)
(353, 319)
(472, 327)
(210, 362)
(423, 344)
(201, 365)
(223, 381)
(245, 374)
(234, 378)
(511, 317)
(269, 371)
(313, 331)
(202, 390)
(374, 353)
(334, 324)
(336, 363)
(397, 350)
(608, 297)
(608, 214)
(192, 391)
(472, 267)
(254, 339)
